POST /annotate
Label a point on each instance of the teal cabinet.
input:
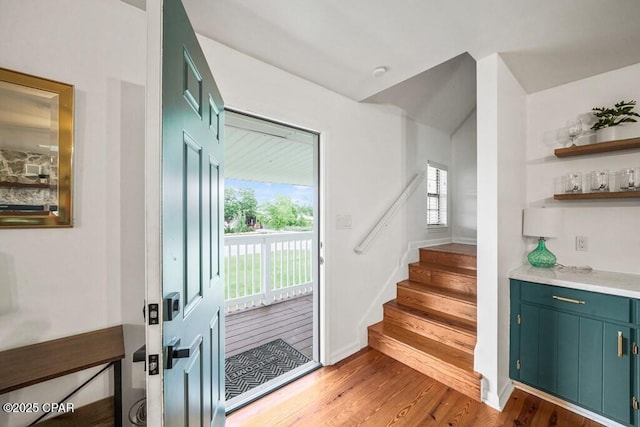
(577, 345)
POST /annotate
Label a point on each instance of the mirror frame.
(65, 93)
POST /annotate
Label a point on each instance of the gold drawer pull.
(620, 344)
(573, 301)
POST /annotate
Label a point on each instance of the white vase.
(614, 133)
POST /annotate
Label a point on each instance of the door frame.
(320, 322)
(153, 209)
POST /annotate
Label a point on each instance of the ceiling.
(262, 151)
(442, 97)
(337, 43)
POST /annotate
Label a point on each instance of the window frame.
(442, 196)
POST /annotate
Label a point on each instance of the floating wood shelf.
(594, 196)
(600, 147)
(25, 185)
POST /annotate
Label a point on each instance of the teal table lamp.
(542, 223)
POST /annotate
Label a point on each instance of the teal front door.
(192, 150)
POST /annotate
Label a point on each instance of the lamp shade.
(542, 222)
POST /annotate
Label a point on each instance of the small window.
(436, 195)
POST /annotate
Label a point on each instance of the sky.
(267, 192)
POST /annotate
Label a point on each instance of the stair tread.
(453, 248)
(447, 293)
(451, 356)
(447, 320)
(439, 267)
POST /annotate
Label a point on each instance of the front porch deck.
(290, 320)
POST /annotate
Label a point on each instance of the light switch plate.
(343, 222)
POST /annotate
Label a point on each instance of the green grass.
(244, 272)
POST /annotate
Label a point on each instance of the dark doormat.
(253, 367)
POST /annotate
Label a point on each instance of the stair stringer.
(387, 292)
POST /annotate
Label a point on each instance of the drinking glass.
(574, 182)
(600, 180)
(627, 181)
(574, 127)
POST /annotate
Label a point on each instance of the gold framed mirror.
(36, 150)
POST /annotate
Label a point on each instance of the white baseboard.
(505, 394)
(373, 313)
(344, 352)
(387, 291)
(429, 242)
(566, 405)
(465, 241)
(496, 400)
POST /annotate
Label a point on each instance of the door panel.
(193, 221)
(194, 383)
(192, 160)
(215, 207)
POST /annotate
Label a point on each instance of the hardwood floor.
(371, 389)
(96, 414)
(291, 320)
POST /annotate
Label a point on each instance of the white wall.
(512, 191)
(423, 143)
(501, 197)
(463, 186)
(362, 155)
(611, 226)
(67, 281)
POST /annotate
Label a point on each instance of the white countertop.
(606, 282)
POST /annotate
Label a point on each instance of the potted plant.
(610, 120)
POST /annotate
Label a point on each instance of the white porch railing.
(263, 268)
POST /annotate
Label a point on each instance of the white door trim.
(153, 206)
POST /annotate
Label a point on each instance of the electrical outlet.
(581, 243)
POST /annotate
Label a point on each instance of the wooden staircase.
(431, 325)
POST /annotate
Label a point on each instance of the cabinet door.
(549, 342)
(590, 364)
(617, 380)
(548, 350)
(529, 337)
(568, 356)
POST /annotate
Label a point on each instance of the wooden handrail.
(32, 364)
(384, 221)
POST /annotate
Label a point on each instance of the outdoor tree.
(239, 205)
(284, 213)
